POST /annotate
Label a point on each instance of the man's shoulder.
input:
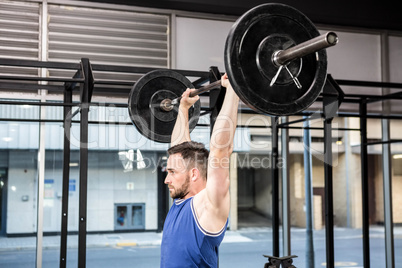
(201, 196)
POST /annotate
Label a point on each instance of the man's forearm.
(226, 122)
(181, 130)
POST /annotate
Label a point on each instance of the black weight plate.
(144, 99)
(248, 60)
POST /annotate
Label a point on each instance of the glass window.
(122, 216)
(137, 217)
(129, 216)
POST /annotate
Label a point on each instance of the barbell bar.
(283, 57)
(276, 62)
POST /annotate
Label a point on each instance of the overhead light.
(397, 156)
(339, 142)
(73, 164)
(7, 139)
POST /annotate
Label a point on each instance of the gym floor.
(250, 218)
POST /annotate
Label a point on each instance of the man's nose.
(167, 180)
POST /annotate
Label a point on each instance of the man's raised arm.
(221, 147)
(181, 130)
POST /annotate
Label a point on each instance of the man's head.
(187, 169)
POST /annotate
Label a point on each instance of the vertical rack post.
(275, 187)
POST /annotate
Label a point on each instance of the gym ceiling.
(378, 15)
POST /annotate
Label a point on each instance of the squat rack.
(84, 82)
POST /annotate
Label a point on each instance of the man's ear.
(195, 173)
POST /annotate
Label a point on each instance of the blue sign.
(71, 185)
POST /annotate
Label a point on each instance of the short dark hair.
(195, 153)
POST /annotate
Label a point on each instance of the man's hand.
(225, 81)
(186, 101)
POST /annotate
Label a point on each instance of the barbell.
(276, 62)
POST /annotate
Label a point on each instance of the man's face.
(178, 178)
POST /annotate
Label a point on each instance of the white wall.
(395, 51)
(200, 43)
(22, 174)
(107, 185)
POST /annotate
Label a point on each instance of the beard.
(181, 192)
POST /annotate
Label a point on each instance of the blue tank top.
(184, 242)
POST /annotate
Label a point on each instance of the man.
(197, 220)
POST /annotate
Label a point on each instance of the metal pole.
(329, 210)
(387, 188)
(365, 190)
(41, 187)
(308, 195)
(283, 57)
(386, 158)
(216, 97)
(347, 177)
(42, 149)
(68, 97)
(275, 187)
(82, 225)
(285, 190)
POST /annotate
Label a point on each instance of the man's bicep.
(217, 187)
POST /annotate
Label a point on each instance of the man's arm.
(181, 130)
(216, 199)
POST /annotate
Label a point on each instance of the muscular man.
(197, 220)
